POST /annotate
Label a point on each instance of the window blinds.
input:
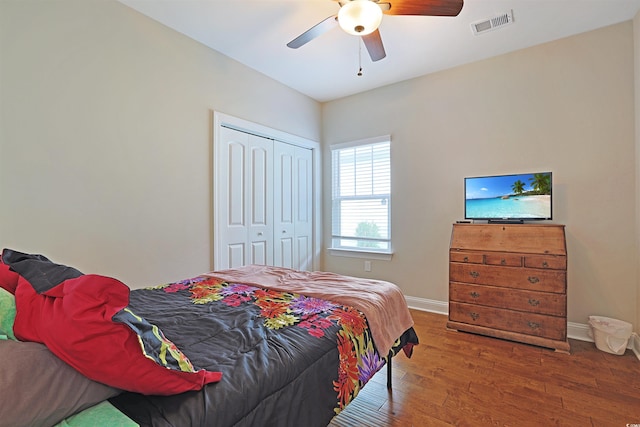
(361, 195)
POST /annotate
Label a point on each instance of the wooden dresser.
(510, 281)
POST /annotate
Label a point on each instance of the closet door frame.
(220, 120)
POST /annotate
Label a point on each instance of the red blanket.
(74, 319)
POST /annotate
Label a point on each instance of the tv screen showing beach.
(522, 196)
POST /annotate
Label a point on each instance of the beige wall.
(105, 143)
(105, 147)
(566, 106)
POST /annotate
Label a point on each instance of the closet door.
(284, 203)
(293, 204)
(303, 211)
(245, 231)
(264, 196)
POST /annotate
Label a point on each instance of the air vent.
(496, 22)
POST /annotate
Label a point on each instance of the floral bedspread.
(358, 359)
(274, 348)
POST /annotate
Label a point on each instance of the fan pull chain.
(360, 58)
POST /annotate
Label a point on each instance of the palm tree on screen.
(541, 183)
(518, 187)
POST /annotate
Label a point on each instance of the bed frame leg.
(389, 371)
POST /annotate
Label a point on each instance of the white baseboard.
(635, 344)
(579, 331)
(576, 331)
(430, 305)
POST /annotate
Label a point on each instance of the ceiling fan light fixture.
(360, 17)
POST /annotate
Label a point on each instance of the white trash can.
(610, 335)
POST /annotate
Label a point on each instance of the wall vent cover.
(490, 24)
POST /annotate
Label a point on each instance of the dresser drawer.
(546, 261)
(513, 299)
(469, 257)
(540, 325)
(514, 238)
(509, 260)
(511, 277)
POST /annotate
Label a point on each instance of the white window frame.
(383, 254)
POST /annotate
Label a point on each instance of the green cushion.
(103, 414)
(7, 314)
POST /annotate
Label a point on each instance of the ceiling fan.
(362, 18)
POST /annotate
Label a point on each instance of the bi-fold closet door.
(265, 202)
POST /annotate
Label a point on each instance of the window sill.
(385, 256)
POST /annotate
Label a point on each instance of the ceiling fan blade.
(425, 7)
(313, 32)
(373, 43)
(385, 6)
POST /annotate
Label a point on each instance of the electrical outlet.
(367, 266)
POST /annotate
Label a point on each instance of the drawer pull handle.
(474, 274)
(533, 279)
(545, 264)
(474, 294)
(474, 316)
(534, 325)
(533, 302)
(503, 261)
(465, 259)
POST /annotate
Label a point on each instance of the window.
(361, 195)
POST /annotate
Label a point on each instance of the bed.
(250, 346)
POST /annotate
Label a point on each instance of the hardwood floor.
(456, 378)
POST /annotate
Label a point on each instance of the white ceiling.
(255, 33)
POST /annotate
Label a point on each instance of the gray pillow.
(39, 389)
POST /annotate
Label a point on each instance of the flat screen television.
(508, 198)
